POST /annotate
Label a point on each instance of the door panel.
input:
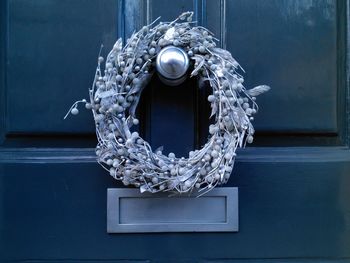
(293, 200)
(51, 56)
(289, 207)
(173, 110)
(292, 45)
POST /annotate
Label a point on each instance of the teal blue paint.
(293, 201)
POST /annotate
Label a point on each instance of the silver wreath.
(116, 91)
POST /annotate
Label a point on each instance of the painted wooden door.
(294, 180)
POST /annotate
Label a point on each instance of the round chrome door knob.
(172, 64)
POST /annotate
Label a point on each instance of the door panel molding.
(343, 56)
(250, 154)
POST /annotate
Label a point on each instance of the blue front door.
(293, 181)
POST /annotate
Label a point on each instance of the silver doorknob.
(172, 64)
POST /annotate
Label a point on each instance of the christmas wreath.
(116, 91)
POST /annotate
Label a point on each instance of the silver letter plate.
(129, 211)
